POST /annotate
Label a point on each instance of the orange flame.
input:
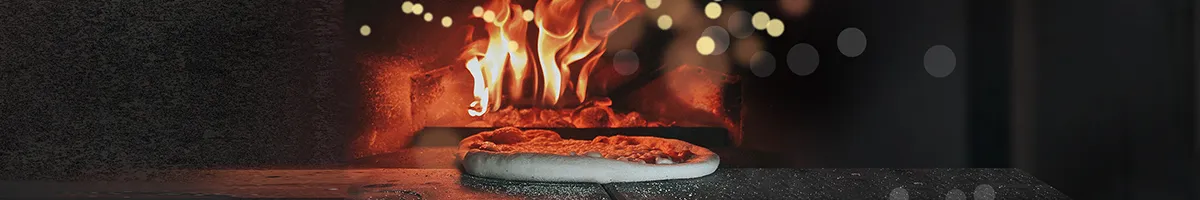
(561, 42)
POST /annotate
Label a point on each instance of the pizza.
(542, 155)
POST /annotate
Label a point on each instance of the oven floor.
(726, 183)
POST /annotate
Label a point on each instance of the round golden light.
(705, 45)
(527, 15)
(664, 22)
(418, 8)
(446, 21)
(760, 20)
(428, 17)
(775, 28)
(653, 4)
(477, 11)
(512, 46)
(488, 16)
(406, 7)
(364, 30)
(712, 10)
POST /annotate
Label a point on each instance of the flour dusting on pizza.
(542, 155)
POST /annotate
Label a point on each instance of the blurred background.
(1095, 98)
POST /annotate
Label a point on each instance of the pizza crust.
(548, 167)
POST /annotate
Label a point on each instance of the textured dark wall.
(1113, 110)
(96, 86)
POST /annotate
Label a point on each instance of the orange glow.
(562, 43)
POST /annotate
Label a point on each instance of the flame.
(561, 42)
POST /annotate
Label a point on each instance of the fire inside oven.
(580, 68)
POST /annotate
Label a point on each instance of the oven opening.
(547, 65)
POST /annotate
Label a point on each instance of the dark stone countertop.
(774, 183)
(726, 183)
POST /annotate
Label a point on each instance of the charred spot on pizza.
(507, 135)
(493, 147)
(542, 135)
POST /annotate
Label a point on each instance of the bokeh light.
(653, 4)
(705, 45)
(418, 8)
(984, 192)
(739, 24)
(364, 30)
(527, 15)
(940, 61)
(446, 21)
(852, 42)
(488, 16)
(712, 10)
(406, 7)
(760, 20)
(898, 193)
(803, 59)
(775, 28)
(762, 64)
(665, 22)
(720, 38)
(625, 62)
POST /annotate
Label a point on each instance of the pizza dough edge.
(543, 167)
